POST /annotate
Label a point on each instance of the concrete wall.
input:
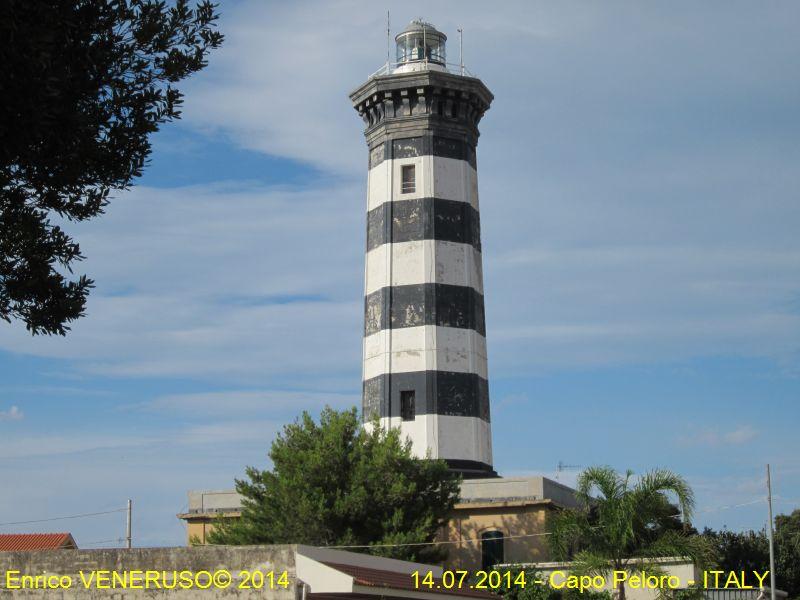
(517, 488)
(206, 558)
(559, 493)
(214, 501)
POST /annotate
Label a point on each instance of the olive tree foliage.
(338, 483)
(84, 84)
(749, 551)
(746, 551)
(787, 546)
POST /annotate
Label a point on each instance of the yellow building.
(497, 520)
(503, 520)
(205, 507)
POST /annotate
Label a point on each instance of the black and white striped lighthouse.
(424, 354)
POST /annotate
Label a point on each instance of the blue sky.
(639, 195)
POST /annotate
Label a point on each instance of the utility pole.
(771, 539)
(128, 527)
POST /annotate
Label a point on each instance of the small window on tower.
(408, 179)
(407, 409)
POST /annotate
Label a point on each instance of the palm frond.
(602, 478)
(660, 482)
(676, 544)
(591, 563)
(622, 519)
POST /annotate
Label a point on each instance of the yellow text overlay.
(148, 580)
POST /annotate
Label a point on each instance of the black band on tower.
(423, 219)
(424, 304)
(429, 145)
(436, 393)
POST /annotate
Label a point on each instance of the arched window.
(491, 549)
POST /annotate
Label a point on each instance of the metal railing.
(453, 68)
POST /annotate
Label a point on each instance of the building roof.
(493, 492)
(418, 26)
(333, 574)
(381, 578)
(10, 542)
(515, 491)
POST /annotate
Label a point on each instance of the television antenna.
(562, 466)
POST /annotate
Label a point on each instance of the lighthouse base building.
(497, 520)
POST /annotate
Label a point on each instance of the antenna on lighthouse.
(388, 42)
(424, 41)
(461, 49)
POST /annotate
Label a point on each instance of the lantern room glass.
(418, 46)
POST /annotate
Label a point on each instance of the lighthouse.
(424, 348)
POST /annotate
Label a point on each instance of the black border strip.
(471, 469)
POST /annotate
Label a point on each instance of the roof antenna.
(388, 42)
(562, 466)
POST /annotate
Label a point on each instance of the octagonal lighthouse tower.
(424, 329)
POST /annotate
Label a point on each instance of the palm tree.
(622, 525)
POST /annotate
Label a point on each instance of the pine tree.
(337, 483)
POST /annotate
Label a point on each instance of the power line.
(98, 542)
(509, 537)
(728, 506)
(94, 514)
(505, 537)
(527, 535)
(787, 500)
(463, 541)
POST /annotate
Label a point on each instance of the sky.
(640, 202)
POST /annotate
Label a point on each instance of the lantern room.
(420, 46)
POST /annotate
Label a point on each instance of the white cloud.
(635, 208)
(279, 85)
(60, 445)
(715, 437)
(155, 473)
(218, 281)
(12, 414)
(239, 403)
